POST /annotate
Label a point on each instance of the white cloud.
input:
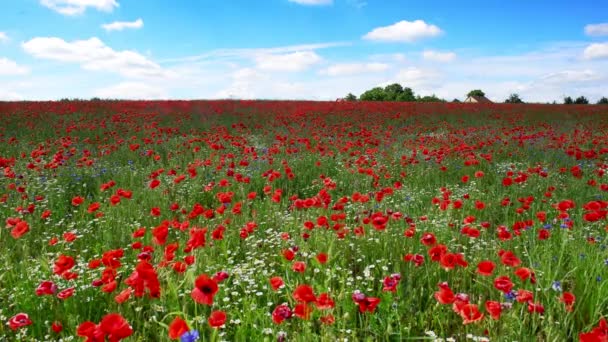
(223, 54)
(415, 76)
(76, 7)
(3, 37)
(132, 91)
(313, 2)
(596, 51)
(570, 76)
(291, 62)
(403, 31)
(343, 69)
(93, 54)
(597, 29)
(438, 56)
(8, 67)
(121, 25)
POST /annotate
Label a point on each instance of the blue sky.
(294, 49)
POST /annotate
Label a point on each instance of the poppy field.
(302, 221)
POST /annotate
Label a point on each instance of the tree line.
(396, 92)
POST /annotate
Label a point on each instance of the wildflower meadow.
(302, 221)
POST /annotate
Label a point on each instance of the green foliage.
(374, 94)
(350, 97)
(429, 98)
(603, 100)
(456, 101)
(393, 91)
(476, 92)
(514, 98)
(568, 100)
(581, 100)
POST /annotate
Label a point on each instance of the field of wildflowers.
(302, 221)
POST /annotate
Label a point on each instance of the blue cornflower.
(189, 336)
(606, 262)
(548, 226)
(510, 296)
(557, 286)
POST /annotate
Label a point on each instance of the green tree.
(456, 101)
(407, 95)
(393, 91)
(568, 100)
(374, 94)
(603, 100)
(476, 92)
(350, 97)
(514, 98)
(429, 98)
(581, 100)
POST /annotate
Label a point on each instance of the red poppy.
(276, 283)
(77, 200)
(568, 299)
(204, 290)
(115, 327)
(304, 293)
(324, 302)
(57, 327)
(281, 313)
(322, 258)
(19, 320)
(503, 283)
(508, 258)
(470, 314)
(63, 264)
(46, 288)
(524, 296)
(428, 239)
(535, 308)
(368, 304)
(65, 294)
(524, 273)
(494, 309)
(302, 310)
(445, 294)
(123, 296)
(217, 319)
(177, 328)
(485, 268)
(299, 266)
(20, 229)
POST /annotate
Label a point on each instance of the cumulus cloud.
(313, 2)
(417, 77)
(597, 29)
(132, 91)
(76, 7)
(9, 67)
(438, 56)
(403, 31)
(93, 54)
(290, 62)
(343, 69)
(596, 51)
(3, 37)
(121, 25)
(569, 76)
